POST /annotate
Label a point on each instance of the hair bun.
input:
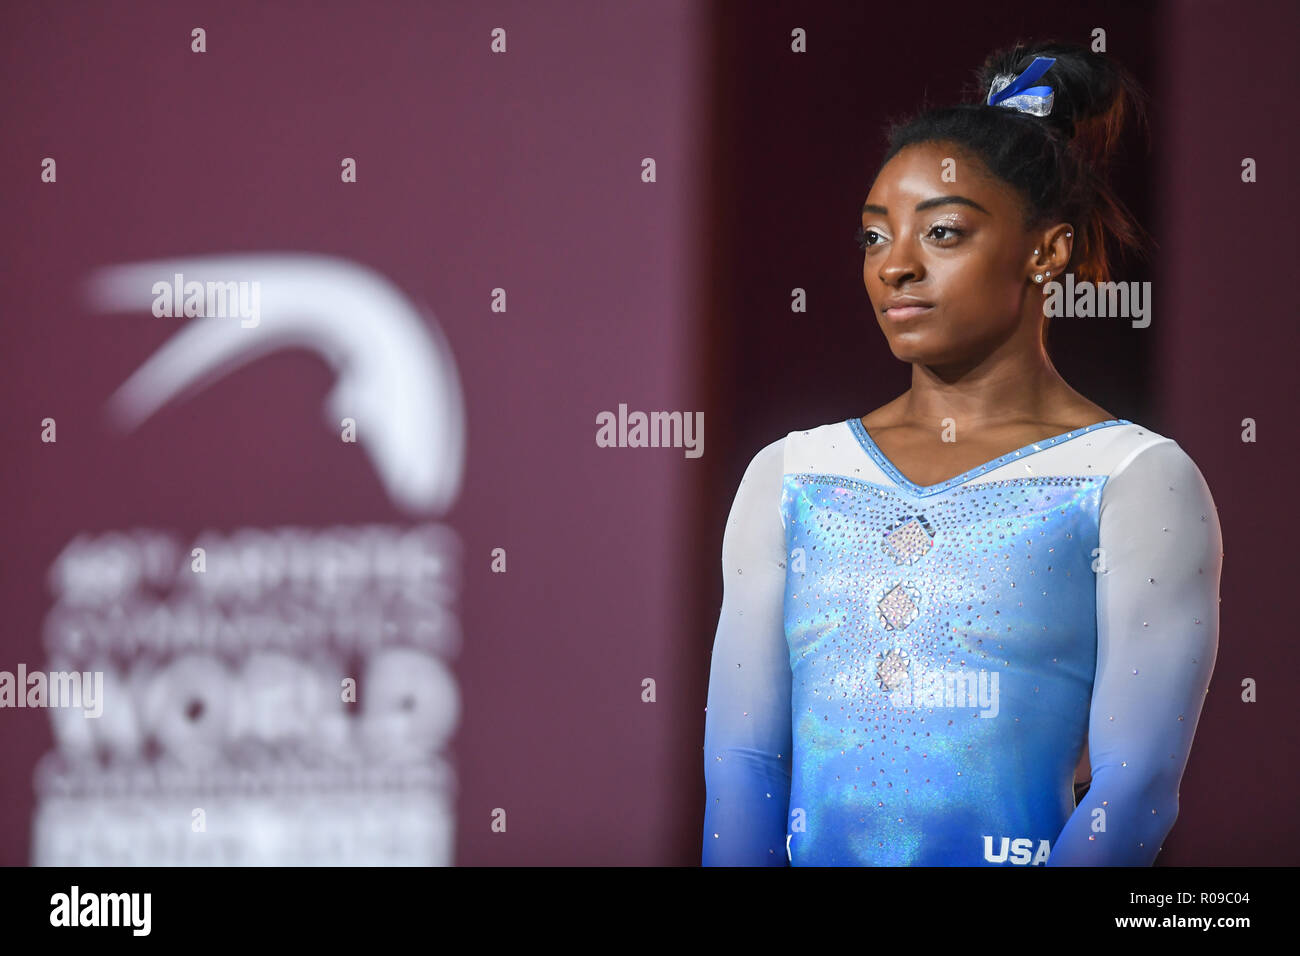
(1092, 96)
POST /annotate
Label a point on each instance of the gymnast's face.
(955, 245)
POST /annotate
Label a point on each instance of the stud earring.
(1049, 273)
(1068, 235)
(1039, 277)
(1035, 252)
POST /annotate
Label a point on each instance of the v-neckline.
(872, 449)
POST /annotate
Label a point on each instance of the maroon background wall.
(522, 171)
(1226, 355)
(476, 171)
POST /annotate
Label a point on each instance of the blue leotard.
(908, 675)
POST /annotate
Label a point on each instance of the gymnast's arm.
(1157, 638)
(747, 734)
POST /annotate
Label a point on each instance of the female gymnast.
(934, 613)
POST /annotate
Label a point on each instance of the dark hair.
(1058, 163)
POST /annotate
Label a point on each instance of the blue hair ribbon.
(1019, 93)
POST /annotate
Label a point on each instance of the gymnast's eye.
(864, 237)
(950, 234)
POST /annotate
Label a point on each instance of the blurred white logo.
(396, 374)
(284, 698)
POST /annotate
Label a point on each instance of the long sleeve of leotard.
(747, 735)
(1157, 637)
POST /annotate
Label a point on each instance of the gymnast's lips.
(905, 307)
